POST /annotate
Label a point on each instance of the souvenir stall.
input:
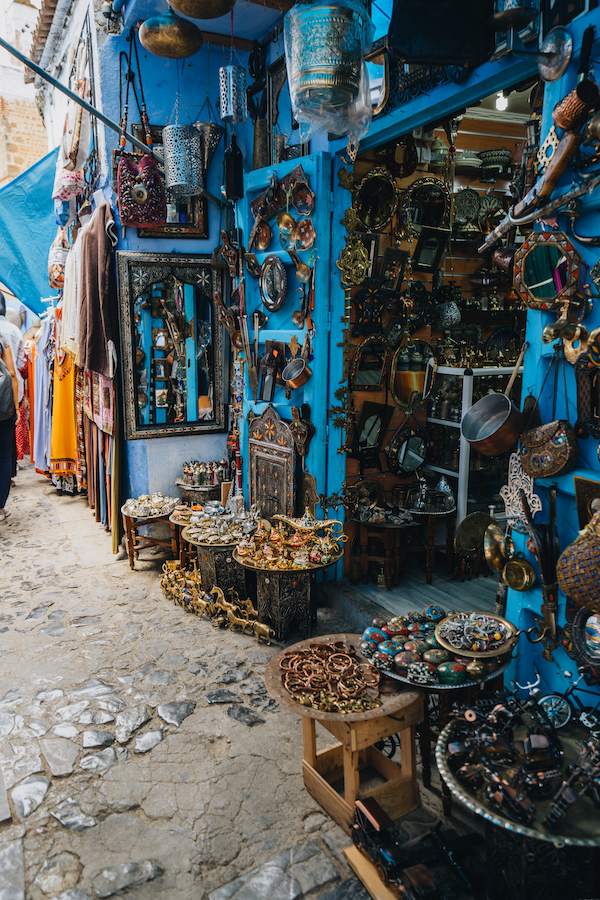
(381, 332)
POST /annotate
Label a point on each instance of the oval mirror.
(370, 364)
(407, 450)
(378, 67)
(546, 270)
(273, 283)
(425, 204)
(413, 370)
(585, 633)
(376, 199)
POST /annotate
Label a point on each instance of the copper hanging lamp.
(170, 36)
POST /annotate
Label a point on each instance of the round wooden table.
(402, 709)
(286, 596)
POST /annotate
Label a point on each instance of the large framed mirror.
(407, 450)
(546, 270)
(413, 370)
(173, 365)
(370, 364)
(585, 633)
(426, 204)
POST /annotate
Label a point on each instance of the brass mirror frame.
(136, 271)
(377, 172)
(381, 57)
(394, 371)
(371, 339)
(419, 182)
(401, 437)
(544, 238)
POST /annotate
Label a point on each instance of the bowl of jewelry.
(150, 505)
(476, 635)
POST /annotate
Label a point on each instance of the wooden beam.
(224, 40)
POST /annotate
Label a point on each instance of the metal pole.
(91, 109)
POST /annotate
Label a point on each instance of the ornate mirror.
(407, 450)
(546, 270)
(585, 633)
(376, 199)
(426, 203)
(413, 370)
(370, 364)
(370, 432)
(273, 283)
(430, 249)
(172, 344)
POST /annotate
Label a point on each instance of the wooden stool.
(136, 542)
(179, 546)
(356, 733)
(393, 539)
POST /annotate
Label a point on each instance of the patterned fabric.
(81, 473)
(99, 401)
(22, 433)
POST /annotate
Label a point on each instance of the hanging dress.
(63, 448)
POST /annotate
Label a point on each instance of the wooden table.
(394, 550)
(356, 733)
(286, 596)
(448, 515)
(181, 547)
(136, 542)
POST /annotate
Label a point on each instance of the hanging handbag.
(140, 191)
(552, 449)
(57, 259)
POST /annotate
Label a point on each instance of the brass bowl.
(203, 9)
(506, 647)
(518, 574)
(498, 547)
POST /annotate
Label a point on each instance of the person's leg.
(7, 431)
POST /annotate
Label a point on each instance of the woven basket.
(578, 568)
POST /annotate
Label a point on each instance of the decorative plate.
(305, 234)
(466, 205)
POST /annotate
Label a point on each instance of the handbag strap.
(129, 76)
(558, 351)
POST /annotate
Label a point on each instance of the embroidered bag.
(140, 191)
(552, 449)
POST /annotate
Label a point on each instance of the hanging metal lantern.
(232, 90)
(183, 160)
(210, 134)
(170, 36)
(324, 53)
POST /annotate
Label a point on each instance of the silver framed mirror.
(370, 364)
(172, 344)
(273, 283)
(426, 204)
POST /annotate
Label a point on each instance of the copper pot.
(503, 258)
(572, 109)
(296, 373)
(494, 424)
(170, 36)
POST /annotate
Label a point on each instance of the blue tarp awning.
(27, 229)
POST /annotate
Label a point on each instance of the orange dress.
(63, 439)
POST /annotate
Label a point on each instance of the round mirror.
(370, 364)
(376, 199)
(585, 634)
(413, 370)
(378, 67)
(273, 283)
(546, 271)
(425, 204)
(407, 450)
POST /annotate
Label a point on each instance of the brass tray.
(313, 567)
(469, 534)
(438, 686)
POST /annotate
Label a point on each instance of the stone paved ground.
(119, 773)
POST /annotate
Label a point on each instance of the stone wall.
(22, 137)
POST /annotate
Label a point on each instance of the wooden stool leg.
(430, 548)
(351, 776)
(364, 553)
(174, 542)
(129, 539)
(450, 541)
(389, 563)
(309, 741)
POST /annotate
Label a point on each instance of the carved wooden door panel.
(272, 464)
